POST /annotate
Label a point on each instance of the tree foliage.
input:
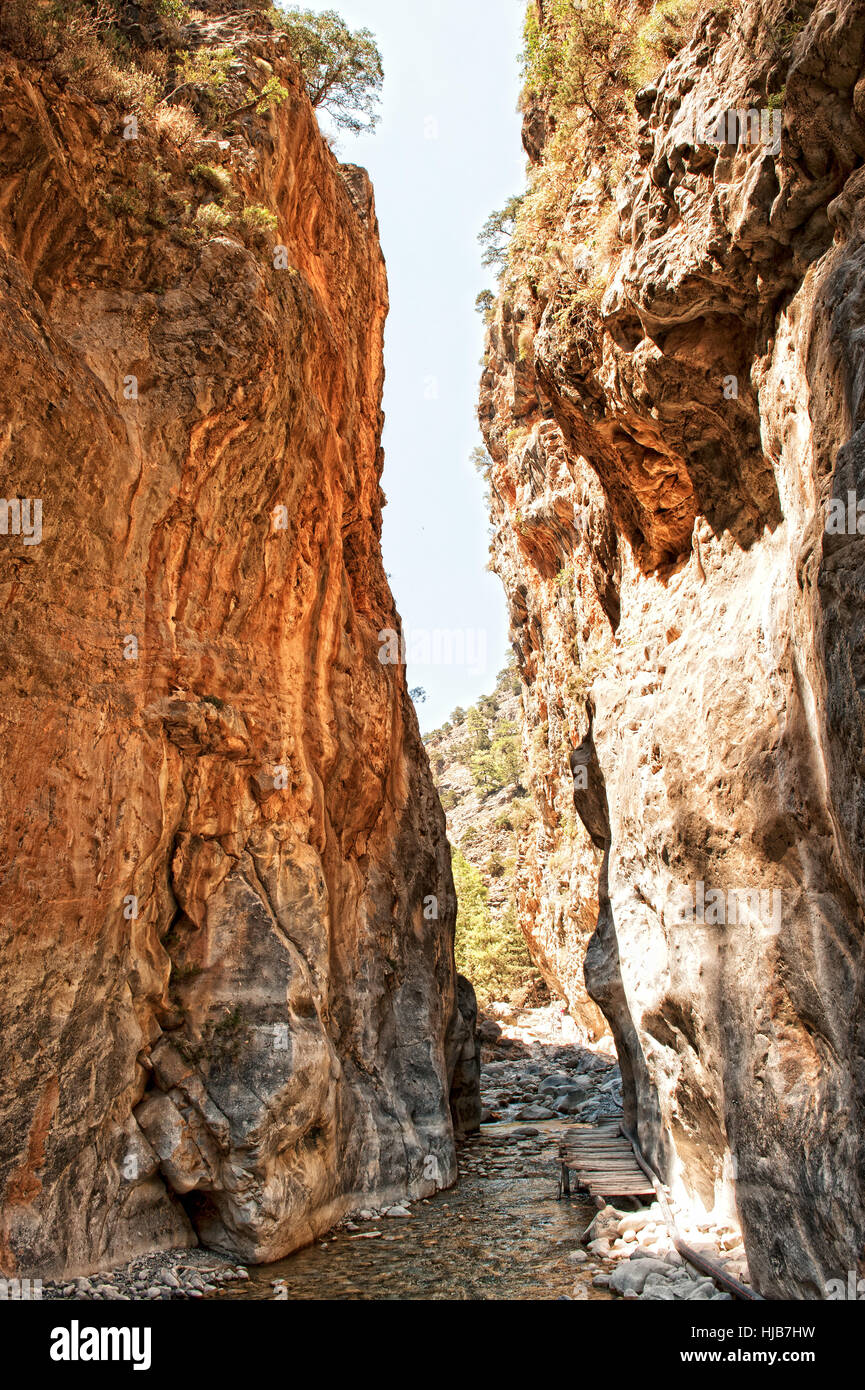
(589, 54)
(497, 232)
(342, 71)
(492, 954)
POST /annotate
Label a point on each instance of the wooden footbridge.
(607, 1163)
(603, 1162)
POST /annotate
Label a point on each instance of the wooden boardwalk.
(603, 1162)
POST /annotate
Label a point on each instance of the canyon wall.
(671, 397)
(229, 1007)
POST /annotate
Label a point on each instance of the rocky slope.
(673, 392)
(484, 817)
(227, 975)
(477, 764)
(479, 767)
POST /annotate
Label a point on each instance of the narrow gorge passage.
(315, 980)
(500, 1233)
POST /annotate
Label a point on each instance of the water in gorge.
(499, 1234)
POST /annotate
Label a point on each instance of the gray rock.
(660, 1290)
(631, 1275)
(553, 1082)
(705, 1289)
(567, 1104)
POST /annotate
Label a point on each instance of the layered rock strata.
(226, 907)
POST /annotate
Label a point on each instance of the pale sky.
(446, 154)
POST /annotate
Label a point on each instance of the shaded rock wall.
(465, 1095)
(226, 907)
(691, 640)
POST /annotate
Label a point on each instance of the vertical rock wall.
(691, 638)
(226, 907)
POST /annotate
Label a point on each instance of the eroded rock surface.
(691, 640)
(227, 981)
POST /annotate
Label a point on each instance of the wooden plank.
(610, 1166)
(604, 1162)
(607, 1168)
(613, 1156)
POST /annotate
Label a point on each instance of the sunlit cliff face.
(229, 1008)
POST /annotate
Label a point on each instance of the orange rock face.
(226, 908)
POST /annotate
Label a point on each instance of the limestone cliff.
(672, 395)
(226, 905)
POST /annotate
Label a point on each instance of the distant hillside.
(479, 770)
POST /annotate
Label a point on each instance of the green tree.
(342, 71)
(477, 727)
(485, 771)
(497, 232)
(508, 756)
(492, 954)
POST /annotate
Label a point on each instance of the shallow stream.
(499, 1234)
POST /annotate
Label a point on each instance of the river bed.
(499, 1234)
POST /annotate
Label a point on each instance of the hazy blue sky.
(447, 152)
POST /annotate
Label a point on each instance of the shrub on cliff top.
(588, 53)
(579, 56)
(342, 71)
(583, 61)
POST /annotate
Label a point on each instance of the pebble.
(159, 1276)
